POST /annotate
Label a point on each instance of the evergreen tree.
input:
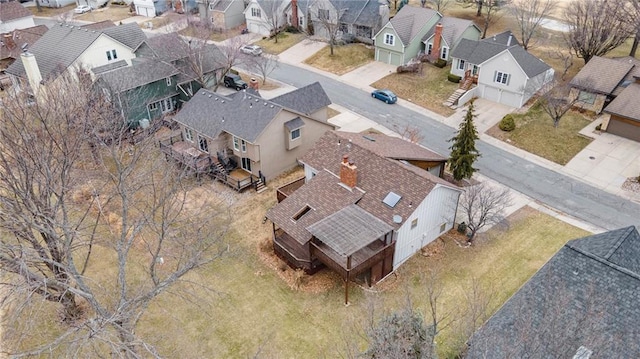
(463, 150)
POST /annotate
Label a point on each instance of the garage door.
(624, 129)
(254, 28)
(396, 59)
(510, 99)
(383, 56)
(491, 94)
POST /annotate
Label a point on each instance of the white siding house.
(14, 16)
(262, 16)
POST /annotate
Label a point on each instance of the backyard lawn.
(429, 89)
(285, 41)
(114, 13)
(249, 301)
(535, 133)
(345, 58)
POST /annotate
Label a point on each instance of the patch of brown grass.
(345, 58)
(114, 13)
(269, 85)
(213, 35)
(428, 89)
(285, 41)
(331, 112)
(51, 11)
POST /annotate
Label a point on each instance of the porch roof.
(349, 230)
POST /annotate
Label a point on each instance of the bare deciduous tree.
(596, 27)
(263, 65)
(93, 225)
(274, 13)
(409, 133)
(231, 56)
(566, 58)
(529, 14)
(635, 19)
(329, 21)
(490, 10)
(439, 5)
(556, 102)
(482, 206)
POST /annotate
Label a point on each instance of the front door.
(245, 163)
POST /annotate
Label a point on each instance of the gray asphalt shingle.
(142, 73)
(305, 100)
(410, 20)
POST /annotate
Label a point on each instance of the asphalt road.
(550, 188)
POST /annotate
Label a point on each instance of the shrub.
(292, 30)
(440, 63)
(413, 67)
(507, 123)
(599, 127)
(454, 78)
(462, 228)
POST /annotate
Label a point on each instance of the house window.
(429, 48)
(295, 134)
(245, 163)
(243, 146)
(112, 55)
(166, 105)
(188, 134)
(236, 143)
(475, 69)
(211, 6)
(344, 28)
(153, 106)
(444, 54)
(323, 14)
(414, 223)
(460, 64)
(301, 21)
(168, 81)
(443, 227)
(502, 78)
(363, 31)
(202, 144)
(389, 39)
(587, 97)
(255, 12)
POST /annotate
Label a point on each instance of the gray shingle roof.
(222, 5)
(410, 20)
(586, 296)
(244, 115)
(13, 10)
(294, 124)
(109, 67)
(452, 28)
(349, 230)
(395, 148)
(359, 12)
(141, 73)
(601, 75)
(627, 104)
(477, 52)
(59, 47)
(305, 100)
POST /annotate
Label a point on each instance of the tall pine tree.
(463, 150)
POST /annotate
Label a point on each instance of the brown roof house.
(11, 47)
(243, 139)
(367, 203)
(624, 112)
(601, 80)
(14, 16)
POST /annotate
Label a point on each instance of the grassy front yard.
(535, 133)
(285, 41)
(51, 11)
(213, 35)
(345, 58)
(429, 89)
(114, 13)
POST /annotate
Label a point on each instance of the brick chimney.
(32, 70)
(294, 14)
(348, 173)
(254, 84)
(437, 37)
(8, 40)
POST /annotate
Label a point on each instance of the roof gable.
(452, 29)
(305, 100)
(601, 75)
(410, 20)
(626, 104)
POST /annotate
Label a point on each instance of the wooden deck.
(286, 190)
(292, 252)
(362, 260)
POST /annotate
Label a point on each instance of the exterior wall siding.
(21, 23)
(95, 55)
(437, 209)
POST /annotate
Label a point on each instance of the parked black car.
(233, 80)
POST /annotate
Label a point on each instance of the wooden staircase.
(220, 168)
(468, 82)
(453, 99)
(260, 186)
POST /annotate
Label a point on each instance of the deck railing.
(286, 190)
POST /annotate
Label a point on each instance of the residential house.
(367, 203)
(11, 44)
(150, 8)
(502, 69)
(222, 14)
(601, 80)
(244, 139)
(582, 303)
(262, 16)
(416, 30)
(165, 74)
(359, 19)
(14, 16)
(69, 48)
(624, 113)
(56, 3)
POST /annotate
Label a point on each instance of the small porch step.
(260, 186)
(220, 168)
(453, 99)
(466, 85)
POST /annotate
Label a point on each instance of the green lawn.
(535, 133)
(285, 41)
(246, 303)
(428, 89)
(345, 58)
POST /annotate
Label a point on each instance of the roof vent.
(216, 99)
(397, 218)
(222, 101)
(210, 96)
(257, 100)
(265, 103)
(271, 106)
(391, 199)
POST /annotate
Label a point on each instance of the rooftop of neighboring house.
(13, 10)
(305, 100)
(602, 75)
(452, 28)
(381, 168)
(583, 301)
(410, 20)
(141, 73)
(59, 47)
(360, 12)
(477, 52)
(220, 5)
(627, 104)
(100, 25)
(244, 114)
(12, 42)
